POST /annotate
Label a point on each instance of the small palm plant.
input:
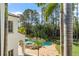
(38, 44)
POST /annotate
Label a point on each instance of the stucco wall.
(13, 38)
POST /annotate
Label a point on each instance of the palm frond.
(40, 4)
(48, 11)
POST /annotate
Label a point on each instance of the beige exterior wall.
(13, 38)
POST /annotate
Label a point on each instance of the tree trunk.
(61, 30)
(5, 30)
(38, 51)
(68, 30)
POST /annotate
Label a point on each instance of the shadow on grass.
(76, 43)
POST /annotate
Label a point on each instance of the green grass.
(58, 47)
(57, 42)
(75, 49)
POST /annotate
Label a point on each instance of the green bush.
(21, 30)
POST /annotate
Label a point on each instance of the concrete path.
(43, 51)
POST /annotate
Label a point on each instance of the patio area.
(43, 51)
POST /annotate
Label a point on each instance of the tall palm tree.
(68, 29)
(61, 29)
(5, 29)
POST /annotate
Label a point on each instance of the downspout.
(5, 29)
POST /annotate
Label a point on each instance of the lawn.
(57, 42)
(58, 47)
(75, 49)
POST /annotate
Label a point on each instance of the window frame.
(10, 26)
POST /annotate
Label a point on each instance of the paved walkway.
(43, 51)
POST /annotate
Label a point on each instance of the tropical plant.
(21, 30)
(38, 44)
(62, 29)
(48, 8)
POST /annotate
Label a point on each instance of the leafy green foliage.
(46, 31)
(40, 4)
(76, 29)
(31, 16)
(21, 30)
(38, 43)
(49, 10)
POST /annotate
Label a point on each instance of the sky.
(18, 8)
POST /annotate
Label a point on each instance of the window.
(10, 53)
(10, 26)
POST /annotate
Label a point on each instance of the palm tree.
(5, 29)
(68, 29)
(38, 44)
(61, 29)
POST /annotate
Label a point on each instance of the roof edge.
(10, 14)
